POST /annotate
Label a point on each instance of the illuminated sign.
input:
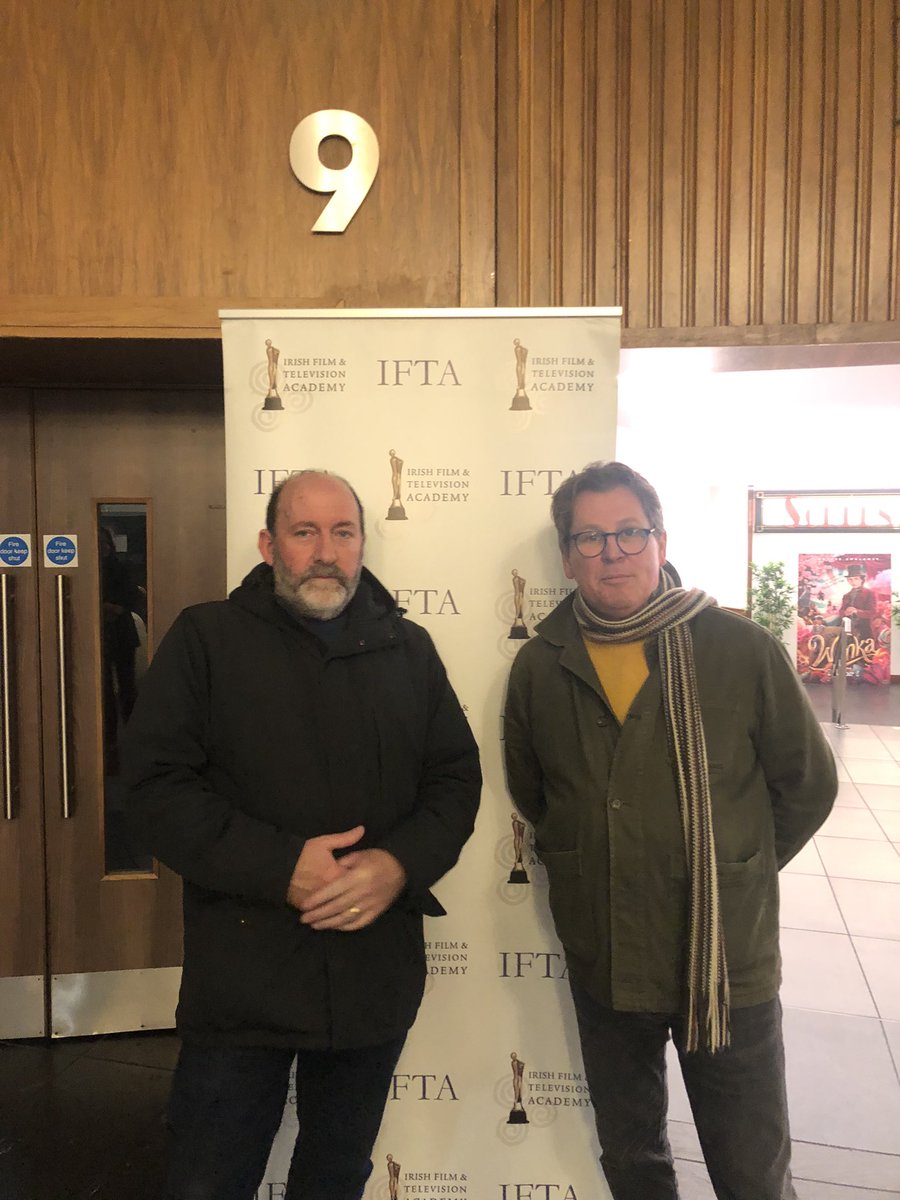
(812, 512)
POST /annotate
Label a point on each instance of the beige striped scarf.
(666, 616)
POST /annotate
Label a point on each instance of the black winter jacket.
(249, 736)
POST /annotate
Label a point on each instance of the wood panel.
(722, 170)
(744, 160)
(147, 157)
(167, 449)
(477, 137)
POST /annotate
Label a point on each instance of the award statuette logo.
(520, 401)
(517, 1114)
(393, 1176)
(518, 874)
(273, 400)
(396, 512)
(518, 629)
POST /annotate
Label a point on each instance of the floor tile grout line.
(848, 878)
(874, 813)
(881, 840)
(845, 878)
(856, 955)
(871, 937)
(894, 1058)
(859, 961)
(870, 758)
(886, 1154)
(832, 1012)
(795, 1141)
(857, 1188)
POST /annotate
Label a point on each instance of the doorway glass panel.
(124, 606)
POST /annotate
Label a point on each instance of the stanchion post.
(839, 675)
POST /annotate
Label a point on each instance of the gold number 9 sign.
(349, 185)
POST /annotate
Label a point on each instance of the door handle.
(5, 706)
(63, 696)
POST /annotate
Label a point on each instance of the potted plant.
(772, 602)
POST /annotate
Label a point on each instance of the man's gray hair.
(602, 477)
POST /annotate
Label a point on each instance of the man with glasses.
(670, 764)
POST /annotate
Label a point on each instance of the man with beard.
(298, 756)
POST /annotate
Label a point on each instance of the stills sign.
(850, 512)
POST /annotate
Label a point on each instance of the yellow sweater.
(621, 668)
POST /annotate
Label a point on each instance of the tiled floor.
(840, 916)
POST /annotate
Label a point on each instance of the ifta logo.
(290, 383)
(421, 492)
(511, 1094)
(447, 958)
(563, 373)
(537, 1191)
(512, 611)
(519, 864)
(415, 1086)
(532, 1098)
(408, 1182)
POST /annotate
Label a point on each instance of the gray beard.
(317, 604)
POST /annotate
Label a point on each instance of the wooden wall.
(726, 170)
(147, 180)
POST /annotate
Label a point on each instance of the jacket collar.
(371, 614)
(560, 629)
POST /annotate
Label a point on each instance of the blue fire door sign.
(15, 549)
(61, 550)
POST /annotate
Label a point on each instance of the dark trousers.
(227, 1104)
(737, 1096)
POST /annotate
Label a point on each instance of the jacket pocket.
(748, 900)
(377, 978)
(242, 964)
(571, 902)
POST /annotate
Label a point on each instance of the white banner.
(455, 427)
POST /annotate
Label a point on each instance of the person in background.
(859, 603)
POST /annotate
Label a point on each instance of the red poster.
(834, 587)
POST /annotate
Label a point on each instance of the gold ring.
(356, 911)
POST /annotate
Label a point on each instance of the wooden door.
(112, 471)
(22, 910)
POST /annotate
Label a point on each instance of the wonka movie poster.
(833, 587)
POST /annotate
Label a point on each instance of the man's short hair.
(272, 506)
(602, 477)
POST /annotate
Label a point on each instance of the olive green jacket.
(604, 806)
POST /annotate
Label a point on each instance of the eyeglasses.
(592, 542)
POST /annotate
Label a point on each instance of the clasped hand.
(345, 893)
